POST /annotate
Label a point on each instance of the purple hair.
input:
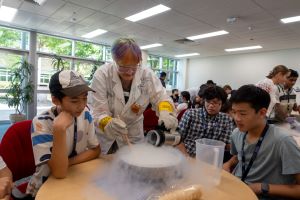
(122, 45)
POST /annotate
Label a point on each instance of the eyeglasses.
(128, 68)
(213, 103)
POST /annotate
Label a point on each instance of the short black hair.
(293, 73)
(174, 90)
(210, 82)
(202, 88)
(255, 96)
(163, 74)
(55, 88)
(212, 92)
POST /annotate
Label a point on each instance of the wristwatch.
(265, 188)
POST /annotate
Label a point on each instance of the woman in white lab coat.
(123, 91)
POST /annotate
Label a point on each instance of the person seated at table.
(264, 156)
(287, 97)
(185, 102)
(64, 135)
(175, 96)
(205, 122)
(6, 183)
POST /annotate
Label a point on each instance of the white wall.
(237, 70)
(181, 76)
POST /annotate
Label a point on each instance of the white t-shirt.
(2, 163)
(181, 107)
(268, 85)
(42, 142)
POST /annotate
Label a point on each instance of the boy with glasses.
(205, 122)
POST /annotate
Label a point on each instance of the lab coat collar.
(117, 86)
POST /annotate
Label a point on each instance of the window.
(46, 70)
(108, 56)
(54, 45)
(153, 62)
(168, 65)
(88, 50)
(12, 38)
(86, 69)
(7, 60)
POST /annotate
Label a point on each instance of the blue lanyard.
(245, 170)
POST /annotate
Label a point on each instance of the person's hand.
(115, 128)
(169, 119)
(63, 120)
(5, 187)
(227, 167)
(256, 188)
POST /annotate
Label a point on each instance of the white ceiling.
(73, 18)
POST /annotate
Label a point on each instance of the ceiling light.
(7, 13)
(206, 35)
(243, 48)
(148, 13)
(290, 19)
(94, 33)
(40, 2)
(151, 46)
(187, 55)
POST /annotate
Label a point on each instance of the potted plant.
(20, 90)
(58, 63)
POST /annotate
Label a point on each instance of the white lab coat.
(109, 101)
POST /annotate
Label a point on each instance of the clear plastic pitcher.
(209, 155)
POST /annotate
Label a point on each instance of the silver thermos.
(161, 136)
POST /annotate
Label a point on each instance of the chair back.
(16, 150)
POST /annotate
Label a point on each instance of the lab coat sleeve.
(158, 93)
(99, 99)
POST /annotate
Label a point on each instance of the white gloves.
(115, 128)
(169, 119)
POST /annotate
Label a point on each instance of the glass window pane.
(88, 50)
(4, 109)
(7, 60)
(55, 45)
(108, 54)
(13, 38)
(165, 66)
(153, 62)
(46, 70)
(44, 102)
(86, 69)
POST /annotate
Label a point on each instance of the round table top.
(79, 185)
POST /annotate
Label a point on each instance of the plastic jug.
(209, 155)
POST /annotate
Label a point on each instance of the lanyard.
(74, 153)
(245, 170)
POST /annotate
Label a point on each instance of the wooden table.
(78, 185)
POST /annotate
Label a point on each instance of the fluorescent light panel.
(94, 33)
(290, 19)
(187, 55)
(206, 35)
(151, 46)
(148, 13)
(244, 48)
(7, 14)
